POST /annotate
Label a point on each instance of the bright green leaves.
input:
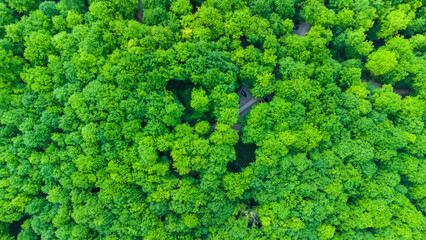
(345, 18)
(73, 19)
(258, 30)
(236, 183)
(37, 47)
(131, 130)
(225, 106)
(190, 220)
(108, 122)
(86, 65)
(350, 76)
(408, 63)
(205, 24)
(125, 8)
(239, 21)
(356, 152)
(386, 101)
(87, 167)
(81, 109)
(23, 5)
(414, 169)
(293, 223)
(355, 44)
(286, 9)
(263, 85)
(59, 23)
(301, 162)
(381, 62)
(202, 127)
(36, 21)
(172, 112)
(6, 16)
(267, 117)
(102, 10)
(274, 116)
(187, 197)
(38, 79)
(395, 21)
(412, 107)
(308, 138)
(181, 7)
(199, 100)
(224, 134)
(189, 151)
(359, 91)
(316, 13)
(150, 163)
(13, 207)
(273, 149)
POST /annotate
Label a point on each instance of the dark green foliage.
(48, 8)
(106, 122)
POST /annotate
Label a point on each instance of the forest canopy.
(107, 112)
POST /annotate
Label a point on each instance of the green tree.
(381, 62)
(181, 7)
(236, 183)
(386, 101)
(37, 48)
(199, 100)
(395, 21)
(10, 67)
(48, 8)
(23, 6)
(263, 85)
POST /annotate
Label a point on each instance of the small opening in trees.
(164, 154)
(182, 89)
(15, 227)
(244, 42)
(194, 174)
(95, 190)
(245, 155)
(350, 200)
(253, 203)
(257, 224)
(174, 171)
(195, 5)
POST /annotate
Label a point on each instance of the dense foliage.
(105, 120)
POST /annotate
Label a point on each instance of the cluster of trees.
(105, 121)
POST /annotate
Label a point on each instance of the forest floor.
(302, 30)
(139, 13)
(245, 153)
(400, 91)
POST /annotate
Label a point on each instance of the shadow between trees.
(245, 153)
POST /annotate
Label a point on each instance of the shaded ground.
(244, 100)
(245, 106)
(16, 227)
(245, 155)
(243, 109)
(139, 13)
(401, 91)
(302, 30)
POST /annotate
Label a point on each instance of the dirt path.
(400, 91)
(245, 106)
(303, 28)
(139, 13)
